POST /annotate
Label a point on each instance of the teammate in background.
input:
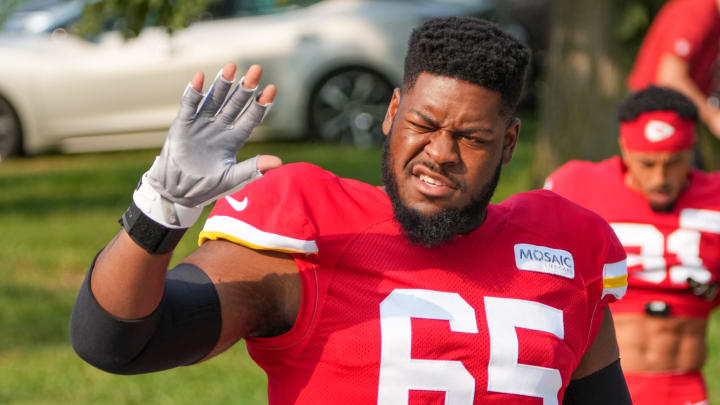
(667, 216)
(680, 51)
(347, 293)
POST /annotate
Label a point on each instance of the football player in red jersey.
(347, 293)
(667, 215)
(680, 51)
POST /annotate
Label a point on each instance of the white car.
(334, 62)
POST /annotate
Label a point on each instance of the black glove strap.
(148, 234)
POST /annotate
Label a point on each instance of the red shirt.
(501, 315)
(689, 29)
(664, 248)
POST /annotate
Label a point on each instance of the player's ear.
(512, 133)
(390, 113)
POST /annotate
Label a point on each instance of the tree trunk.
(584, 82)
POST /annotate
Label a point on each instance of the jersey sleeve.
(608, 282)
(270, 213)
(611, 286)
(614, 274)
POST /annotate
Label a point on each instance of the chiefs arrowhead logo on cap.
(656, 131)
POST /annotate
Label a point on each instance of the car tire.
(10, 132)
(348, 107)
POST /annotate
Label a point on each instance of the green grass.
(57, 211)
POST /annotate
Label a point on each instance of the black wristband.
(148, 234)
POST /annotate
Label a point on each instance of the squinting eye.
(420, 126)
(475, 140)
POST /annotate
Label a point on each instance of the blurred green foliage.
(633, 20)
(129, 17)
(6, 7)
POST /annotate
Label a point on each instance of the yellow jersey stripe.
(615, 282)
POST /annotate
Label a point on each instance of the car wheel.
(348, 107)
(10, 140)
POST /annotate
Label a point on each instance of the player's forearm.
(686, 86)
(127, 281)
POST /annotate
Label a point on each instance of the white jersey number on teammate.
(684, 243)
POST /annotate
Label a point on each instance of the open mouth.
(432, 182)
(432, 177)
(660, 196)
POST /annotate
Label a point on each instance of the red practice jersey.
(502, 315)
(664, 248)
(688, 29)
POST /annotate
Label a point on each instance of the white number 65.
(399, 373)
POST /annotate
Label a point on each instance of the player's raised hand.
(197, 163)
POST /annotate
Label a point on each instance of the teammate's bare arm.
(674, 72)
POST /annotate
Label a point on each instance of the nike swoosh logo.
(237, 205)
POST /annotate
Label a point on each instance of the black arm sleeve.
(182, 330)
(603, 387)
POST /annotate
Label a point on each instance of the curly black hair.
(654, 98)
(472, 50)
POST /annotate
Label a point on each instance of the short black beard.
(663, 208)
(436, 229)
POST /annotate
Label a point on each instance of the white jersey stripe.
(700, 220)
(254, 237)
(614, 270)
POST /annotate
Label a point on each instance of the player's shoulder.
(579, 170)
(307, 176)
(686, 16)
(675, 9)
(318, 189)
(703, 190)
(564, 225)
(573, 166)
(705, 180)
(293, 208)
(572, 179)
(547, 212)
(300, 172)
(533, 202)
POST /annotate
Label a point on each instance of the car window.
(244, 8)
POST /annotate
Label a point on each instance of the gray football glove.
(197, 163)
